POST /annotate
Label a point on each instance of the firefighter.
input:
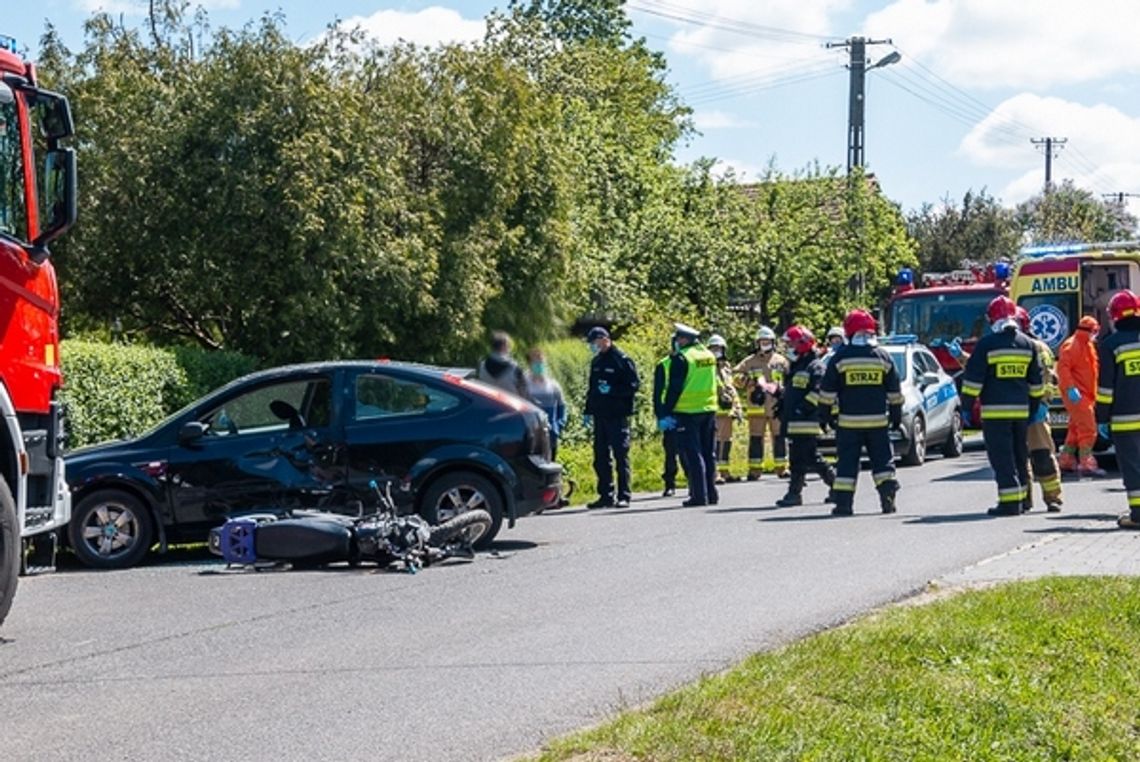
(728, 407)
(862, 379)
(799, 417)
(1005, 373)
(1042, 461)
(835, 339)
(1078, 365)
(690, 407)
(1118, 396)
(761, 375)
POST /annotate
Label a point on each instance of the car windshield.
(898, 357)
(945, 316)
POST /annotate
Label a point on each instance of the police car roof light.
(899, 338)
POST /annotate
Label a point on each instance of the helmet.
(859, 321)
(1023, 319)
(716, 340)
(835, 330)
(1001, 308)
(765, 334)
(1123, 305)
(800, 339)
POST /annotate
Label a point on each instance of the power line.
(684, 15)
(1050, 144)
(766, 86)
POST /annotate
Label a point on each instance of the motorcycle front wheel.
(467, 527)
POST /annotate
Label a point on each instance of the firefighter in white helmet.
(761, 377)
(728, 406)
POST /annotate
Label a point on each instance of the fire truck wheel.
(9, 549)
(111, 529)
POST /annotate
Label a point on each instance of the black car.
(313, 436)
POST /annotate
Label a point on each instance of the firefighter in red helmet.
(1118, 396)
(799, 416)
(862, 378)
(1005, 373)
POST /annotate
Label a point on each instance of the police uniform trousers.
(803, 452)
(611, 435)
(1008, 451)
(696, 437)
(1127, 445)
(669, 475)
(849, 444)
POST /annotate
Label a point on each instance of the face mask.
(676, 346)
(538, 368)
(791, 355)
(836, 343)
(718, 353)
(766, 347)
(594, 348)
(861, 340)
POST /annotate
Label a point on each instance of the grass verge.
(1042, 670)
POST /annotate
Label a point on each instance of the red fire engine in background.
(946, 311)
(37, 205)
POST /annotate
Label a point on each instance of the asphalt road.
(580, 614)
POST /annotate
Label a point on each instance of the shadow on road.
(746, 509)
(953, 518)
(982, 474)
(825, 516)
(1075, 530)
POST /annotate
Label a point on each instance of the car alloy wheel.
(459, 499)
(111, 529)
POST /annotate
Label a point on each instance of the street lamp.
(890, 58)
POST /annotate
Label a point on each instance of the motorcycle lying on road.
(306, 539)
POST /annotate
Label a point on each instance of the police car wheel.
(954, 445)
(916, 452)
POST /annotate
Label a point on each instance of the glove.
(895, 415)
(1102, 430)
(587, 421)
(1074, 394)
(966, 421)
(1042, 414)
(955, 349)
(668, 423)
(935, 343)
(604, 387)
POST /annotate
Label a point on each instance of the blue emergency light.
(1001, 270)
(906, 277)
(899, 338)
(1044, 250)
(9, 43)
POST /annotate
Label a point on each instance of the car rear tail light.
(549, 496)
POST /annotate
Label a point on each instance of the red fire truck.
(37, 205)
(946, 311)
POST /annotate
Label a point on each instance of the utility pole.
(1119, 197)
(1050, 144)
(857, 46)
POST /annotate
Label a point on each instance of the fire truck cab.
(37, 205)
(947, 311)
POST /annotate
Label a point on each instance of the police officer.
(799, 418)
(862, 379)
(668, 434)
(690, 402)
(1005, 373)
(761, 376)
(609, 404)
(1118, 396)
(728, 407)
(1042, 449)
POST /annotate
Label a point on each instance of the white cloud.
(758, 50)
(1010, 43)
(431, 26)
(744, 171)
(140, 7)
(719, 120)
(1102, 152)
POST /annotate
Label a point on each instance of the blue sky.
(977, 80)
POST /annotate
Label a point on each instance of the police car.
(930, 411)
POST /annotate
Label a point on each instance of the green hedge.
(113, 391)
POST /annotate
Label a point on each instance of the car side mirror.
(928, 379)
(191, 432)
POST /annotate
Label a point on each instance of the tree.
(979, 230)
(1069, 213)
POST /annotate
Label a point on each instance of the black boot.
(843, 505)
(887, 492)
(795, 494)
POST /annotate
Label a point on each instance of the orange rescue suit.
(1077, 366)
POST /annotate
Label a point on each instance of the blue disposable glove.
(604, 387)
(955, 348)
(935, 342)
(1074, 394)
(1102, 429)
(1042, 413)
(668, 423)
(587, 421)
(966, 422)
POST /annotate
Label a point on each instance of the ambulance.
(1058, 284)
